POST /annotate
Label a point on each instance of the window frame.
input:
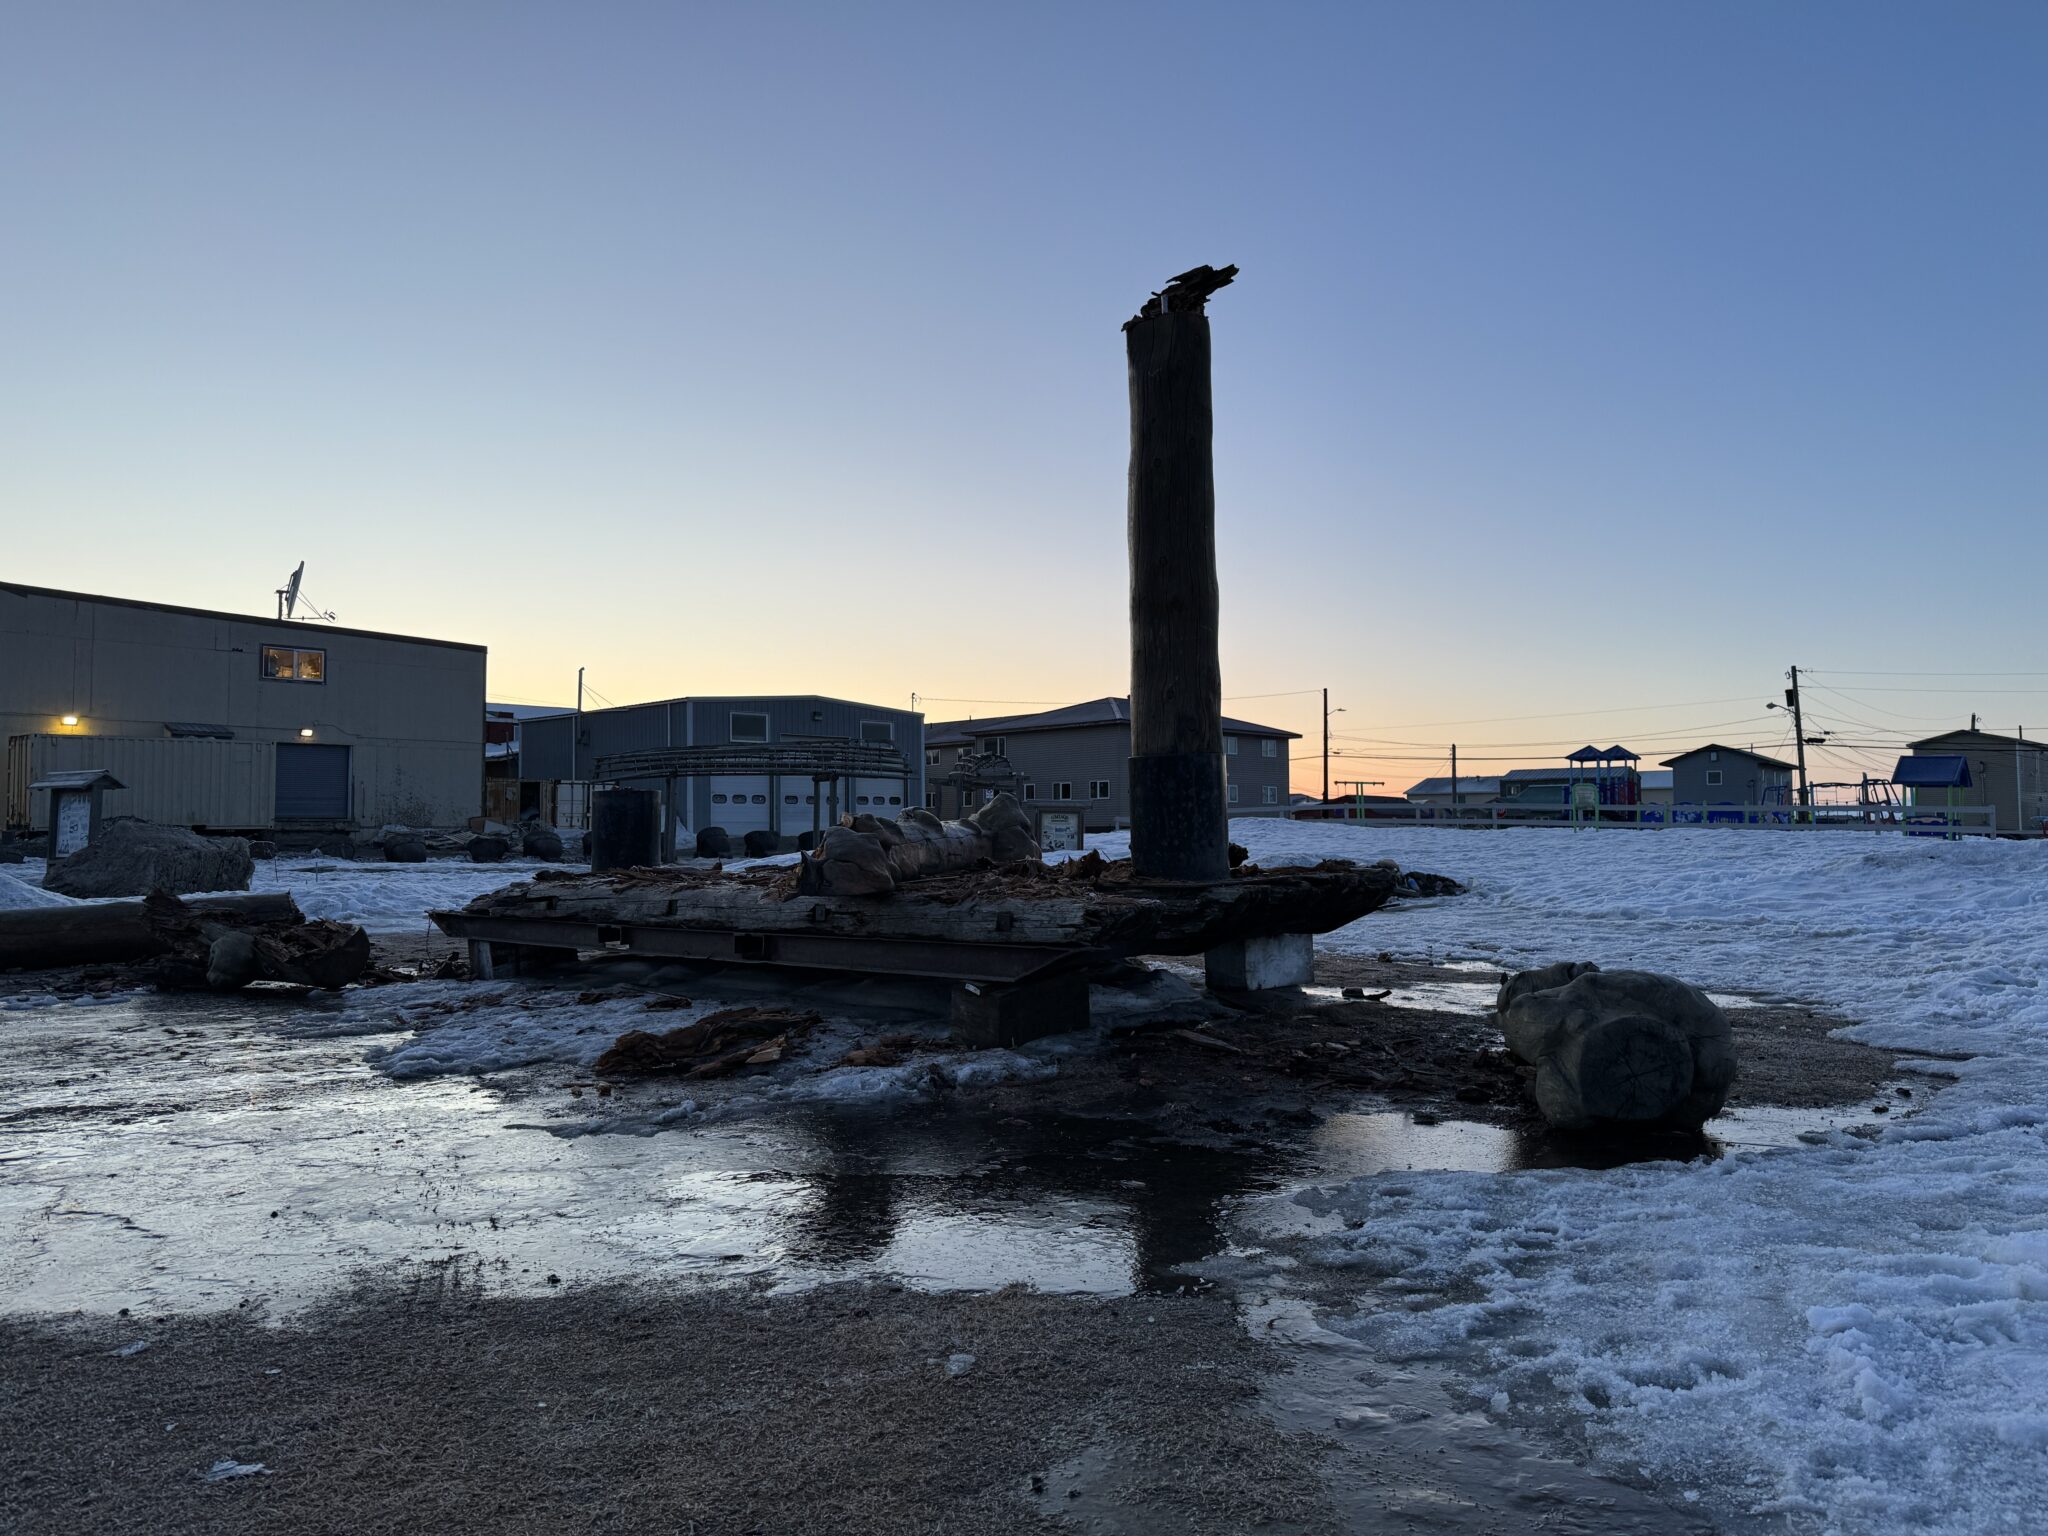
(1714, 778)
(1030, 791)
(1098, 789)
(1230, 746)
(1269, 746)
(1230, 794)
(1270, 794)
(886, 725)
(762, 715)
(1063, 789)
(266, 650)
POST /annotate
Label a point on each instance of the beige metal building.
(227, 722)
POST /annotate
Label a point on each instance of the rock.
(1417, 883)
(133, 858)
(488, 849)
(262, 850)
(712, 843)
(1618, 1049)
(541, 842)
(10, 853)
(231, 962)
(335, 848)
(806, 841)
(760, 844)
(405, 848)
(959, 1363)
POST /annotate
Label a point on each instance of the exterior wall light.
(71, 719)
(305, 730)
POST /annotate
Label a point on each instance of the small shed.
(1937, 781)
(75, 798)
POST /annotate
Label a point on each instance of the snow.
(1851, 1337)
(18, 894)
(385, 898)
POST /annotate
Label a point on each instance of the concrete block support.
(1261, 965)
(987, 1013)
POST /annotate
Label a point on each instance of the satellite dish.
(289, 597)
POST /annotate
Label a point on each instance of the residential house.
(1465, 790)
(1081, 754)
(236, 723)
(1722, 775)
(2007, 773)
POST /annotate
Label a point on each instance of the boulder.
(335, 848)
(488, 849)
(262, 850)
(405, 848)
(231, 962)
(760, 844)
(712, 843)
(10, 853)
(541, 842)
(132, 858)
(1618, 1050)
(806, 841)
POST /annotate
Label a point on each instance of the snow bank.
(461, 1032)
(18, 895)
(384, 898)
(1855, 1335)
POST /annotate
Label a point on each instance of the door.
(739, 803)
(878, 797)
(312, 782)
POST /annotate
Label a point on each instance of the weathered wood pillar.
(1179, 824)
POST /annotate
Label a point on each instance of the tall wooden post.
(1179, 823)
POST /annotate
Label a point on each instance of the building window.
(1231, 793)
(931, 799)
(895, 799)
(746, 727)
(789, 799)
(1063, 790)
(1269, 747)
(718, 799)
(1098, 789)
(931, 757)
(283, 664)
(1271, 794)
(1030, 791)
(1713, 757)
(760, 799)
(883, 731)
(1713, 777)
(1230, 746)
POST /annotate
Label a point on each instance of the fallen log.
(871, 856)
(714, 1046)
(114, 932)
(221, 951)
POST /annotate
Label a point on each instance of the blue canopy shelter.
(1948, 774)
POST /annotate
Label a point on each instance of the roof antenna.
(288, 598)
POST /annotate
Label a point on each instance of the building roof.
(1468, 784)
(1932, 770)
(78, 778)
(1991, 738)
(1715, 746)
(299, 626)
(563, 711)
(1103, 711)
(1564, 775)
(1656, 778)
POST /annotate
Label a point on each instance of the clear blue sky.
(1586, 356)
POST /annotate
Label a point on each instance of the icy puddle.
(1464, 996)
(167, 1152)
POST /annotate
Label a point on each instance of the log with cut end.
(871, 856)
(114, 932)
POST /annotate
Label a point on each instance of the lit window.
(284, 664)
(877, 730)
(1269, 747)
(747, 727)
(1230, 746)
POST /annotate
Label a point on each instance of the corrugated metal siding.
(178, 781)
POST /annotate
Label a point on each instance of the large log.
(871, 855)
(1179, 824)
(114, 932)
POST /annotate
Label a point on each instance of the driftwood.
(1088, 903)
(871, 856)
(114, 932)
(215, 942)
(1618, 1050)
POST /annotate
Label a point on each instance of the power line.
(1565, 714)
(1847, 672)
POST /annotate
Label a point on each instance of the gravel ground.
(716, 1412)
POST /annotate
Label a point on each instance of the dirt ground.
(851, 1409)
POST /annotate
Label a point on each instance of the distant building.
(1555, 786)
(1656, 786)
(2007, 773)
(1470, 790)
(559, 757)
(236, 723)
(1081, 755)
(1722, 775)
(1355, 808)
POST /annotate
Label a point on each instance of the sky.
(1590, 363)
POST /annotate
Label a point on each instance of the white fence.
(1912, 820)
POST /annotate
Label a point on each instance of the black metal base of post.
(1180, 827)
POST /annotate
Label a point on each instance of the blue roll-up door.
(312, 782)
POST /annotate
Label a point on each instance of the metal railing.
(1944, 821)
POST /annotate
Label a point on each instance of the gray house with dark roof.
(1081, 754)
(1719, 775)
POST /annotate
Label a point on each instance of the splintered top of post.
(1185, 294)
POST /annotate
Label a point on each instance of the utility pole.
(1457, 799)
(575, 737)
(1326, 746)
(1799, 736)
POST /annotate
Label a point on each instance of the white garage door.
(799, 798)
(739, 803)
(878, 797)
